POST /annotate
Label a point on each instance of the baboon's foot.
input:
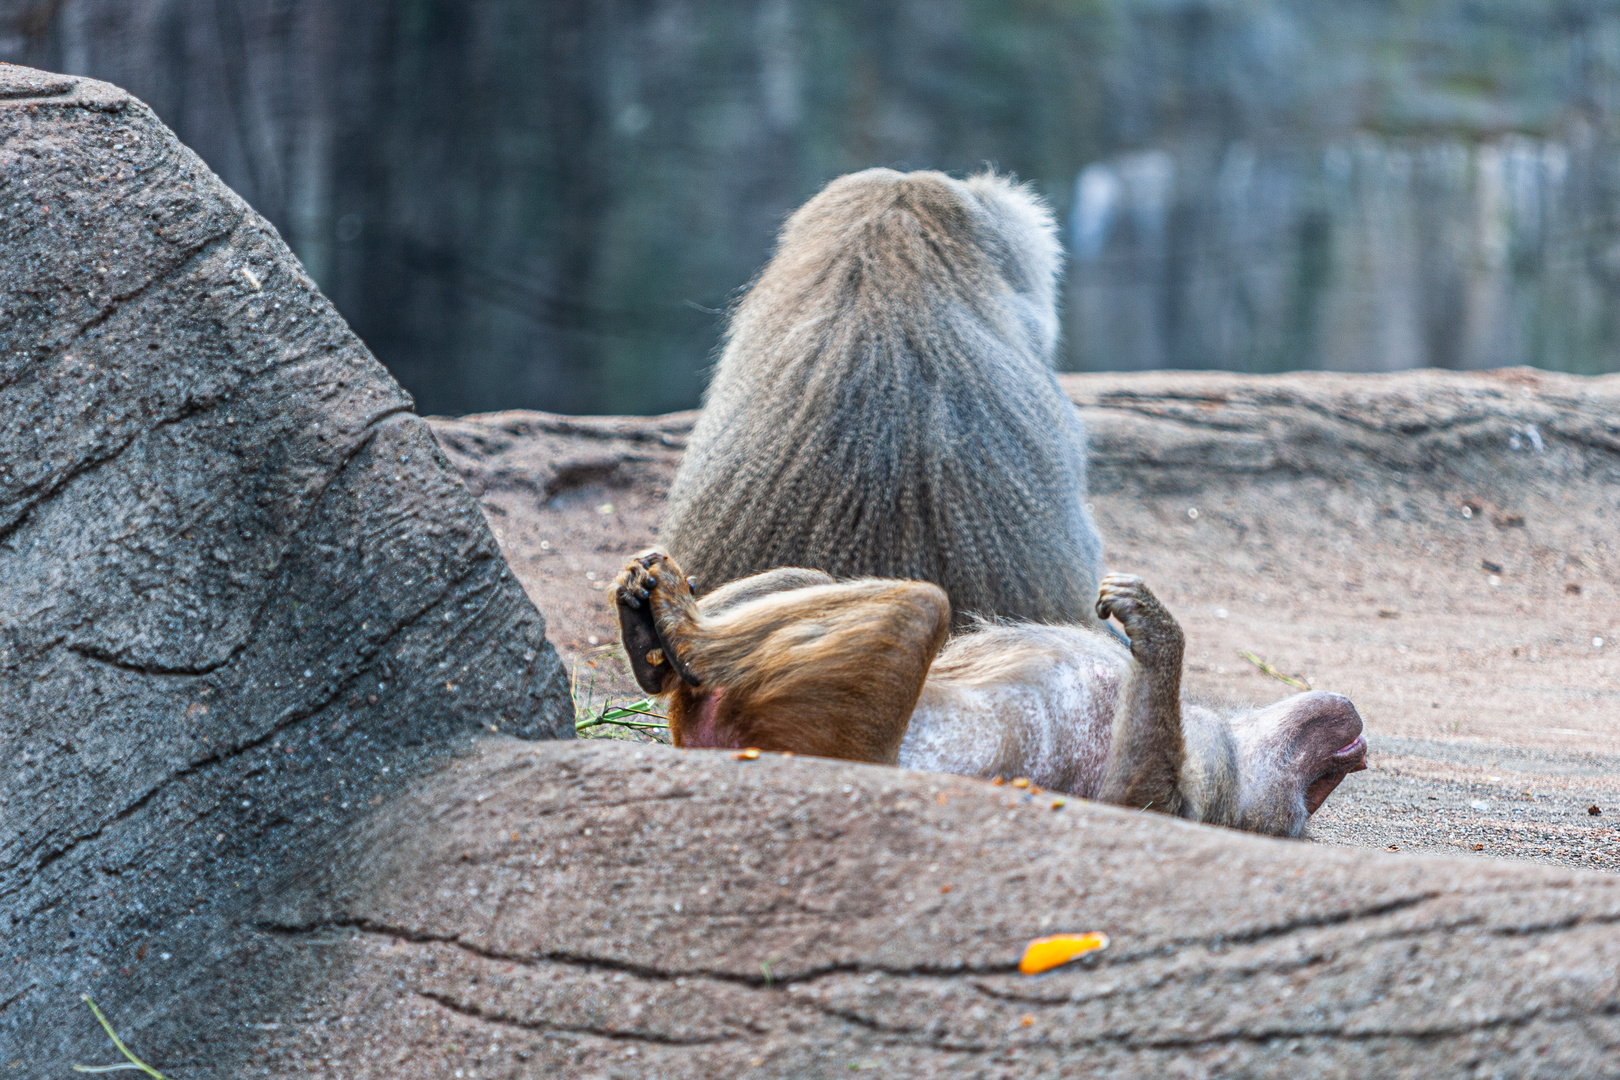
(644, 572)
(651, 585)
(1154, 634)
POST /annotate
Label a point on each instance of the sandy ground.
(1399, 539)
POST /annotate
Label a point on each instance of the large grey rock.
(242, 596)
(597, 910)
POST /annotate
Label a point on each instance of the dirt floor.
(1440, 547)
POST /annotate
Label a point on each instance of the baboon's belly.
(1054, 730)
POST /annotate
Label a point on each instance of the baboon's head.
(923, 239)
(1291, 756)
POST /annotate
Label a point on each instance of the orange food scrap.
(1057, 803)
(749, 754)
(942, 799)
(1022, 781)
(943, 889)
(996, 780)
(1044, 954)
(1027, 1021)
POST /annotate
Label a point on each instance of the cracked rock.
(725, 917)
(235, 571)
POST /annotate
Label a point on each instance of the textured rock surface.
(1433, 430)
(596, 909)
(242, 596)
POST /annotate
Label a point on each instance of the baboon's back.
(885, 406)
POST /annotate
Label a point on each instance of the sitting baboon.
(885, 406)
(793, 660)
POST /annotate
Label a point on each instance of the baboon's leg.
(737, 593)
(652, 661)
(1145, 755)
(832, 670)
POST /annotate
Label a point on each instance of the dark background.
(546, 203)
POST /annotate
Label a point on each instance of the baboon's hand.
(1153, 633)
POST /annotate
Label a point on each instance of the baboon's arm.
(1145, 755)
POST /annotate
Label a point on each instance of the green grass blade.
(135, 1062)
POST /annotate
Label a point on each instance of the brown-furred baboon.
(793, 660)
(885, 406)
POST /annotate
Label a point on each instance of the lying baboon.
(885, 406)
(793, 660)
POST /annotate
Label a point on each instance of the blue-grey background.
(546, 203)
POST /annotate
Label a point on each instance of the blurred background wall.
(548, 203)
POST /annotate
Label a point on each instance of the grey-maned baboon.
(885, 405)
(793, 660)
